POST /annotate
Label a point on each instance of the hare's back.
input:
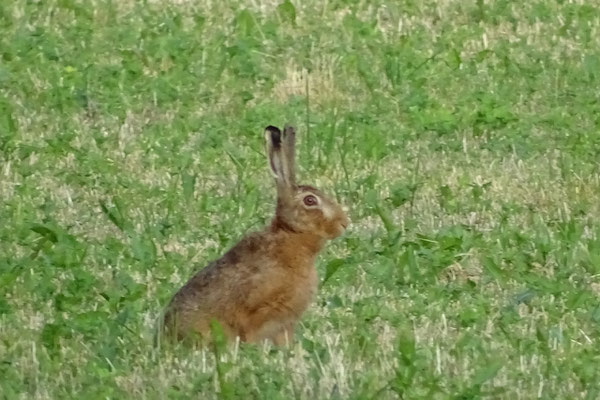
(223, 283)
(201, 288)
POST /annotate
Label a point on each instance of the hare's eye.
(310, 200)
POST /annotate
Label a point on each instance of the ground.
(464, 137)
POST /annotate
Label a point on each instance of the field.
(464, 137)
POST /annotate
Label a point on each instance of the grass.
(464, 137)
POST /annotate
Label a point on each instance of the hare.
(259, 289)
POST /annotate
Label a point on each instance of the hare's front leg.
(285, 336)
(269, 323)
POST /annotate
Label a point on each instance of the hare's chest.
(303, 288)
(281, 305)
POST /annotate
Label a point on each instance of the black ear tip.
(275, 134)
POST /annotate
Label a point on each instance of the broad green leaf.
(287, 12)
(332, 267)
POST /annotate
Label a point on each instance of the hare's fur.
(259, 289)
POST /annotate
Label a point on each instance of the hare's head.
(300, 208)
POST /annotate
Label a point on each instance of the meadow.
(463, 136)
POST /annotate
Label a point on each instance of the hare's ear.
(289, 149)
(280, 148)
(277, 158)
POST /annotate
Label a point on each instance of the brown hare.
(259, 289)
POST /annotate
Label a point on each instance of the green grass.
(463, 135)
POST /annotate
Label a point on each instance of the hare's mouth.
(342, 226)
